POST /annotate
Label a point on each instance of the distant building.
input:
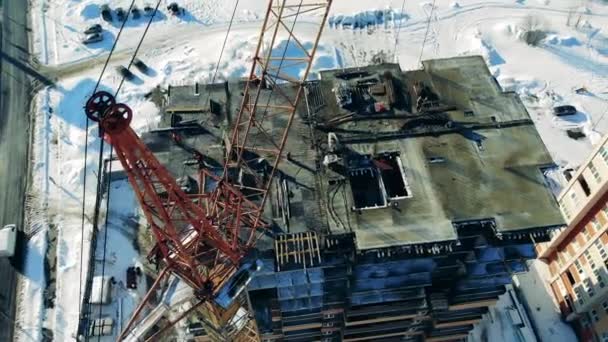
(578, 253)
(404, 205)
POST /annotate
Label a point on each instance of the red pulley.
(98, 104)
(116, 119)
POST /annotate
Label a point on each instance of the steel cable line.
(86, 145)
(428, 26)
(109, 170)
(398, 31)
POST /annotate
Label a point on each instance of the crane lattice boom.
(204, 241)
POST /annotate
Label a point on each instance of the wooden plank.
(457, 323)
(446, 338)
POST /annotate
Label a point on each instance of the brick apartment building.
(577, 254)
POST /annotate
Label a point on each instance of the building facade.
(406, 202)
(577, 254)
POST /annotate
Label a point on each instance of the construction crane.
(207, 241)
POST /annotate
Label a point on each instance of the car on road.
(93, 29)
(135, 12)
(140, 65)
(106, 12)
(564, 110)
(174, 8)
(92, 38)
(132, 273)
(8, 240)
(148, 10)
(125, 73)
(121, 14)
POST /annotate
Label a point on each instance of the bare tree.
(534, 30)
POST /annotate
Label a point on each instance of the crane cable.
(398, 31)
(86, 145)
(217, 66)
(109, 170)
(219, 60)
(428, 26)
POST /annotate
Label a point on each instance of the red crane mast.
(204, 239)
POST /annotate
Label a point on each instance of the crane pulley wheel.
(98, 104)
(116, 118)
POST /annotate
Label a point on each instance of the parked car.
(92, 38)
(124, 72)
(132, 273)
(174, 8)
(564, 110)
(140, 65)
(148, 10)
(8, 240)
(135, 12)
(121, 14)
(93, 29)
(106, 13)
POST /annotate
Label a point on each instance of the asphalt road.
(15, 98)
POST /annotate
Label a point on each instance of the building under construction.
(405, 201)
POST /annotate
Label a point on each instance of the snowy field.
(182, 50)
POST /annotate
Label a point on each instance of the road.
(15, 99)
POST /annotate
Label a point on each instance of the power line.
(138, 46)
(219, 60)
(217, 66)
(105, 233)
(86, 145)
(109, 169)
(398, 31)
(428, 26)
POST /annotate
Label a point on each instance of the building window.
(605, 337)
(595, 223)
(601, 249)
(594, 172)
(604, 154)
(587, 255)
(574, 199)
(579, 268)
(595, 316)
(586, 234)
(583, 238)
(579, 296)
(589, 259)
(600, 279)
(565, 210)
(605, 211)
(605, 306)
(588, 287)
(585, 322)
(328, 316)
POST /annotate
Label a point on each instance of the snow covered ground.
(184, 50)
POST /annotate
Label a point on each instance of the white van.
(8, 240)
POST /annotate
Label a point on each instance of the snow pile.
(567, 41)
(367, 19)
(481, 46)
(543, 311)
